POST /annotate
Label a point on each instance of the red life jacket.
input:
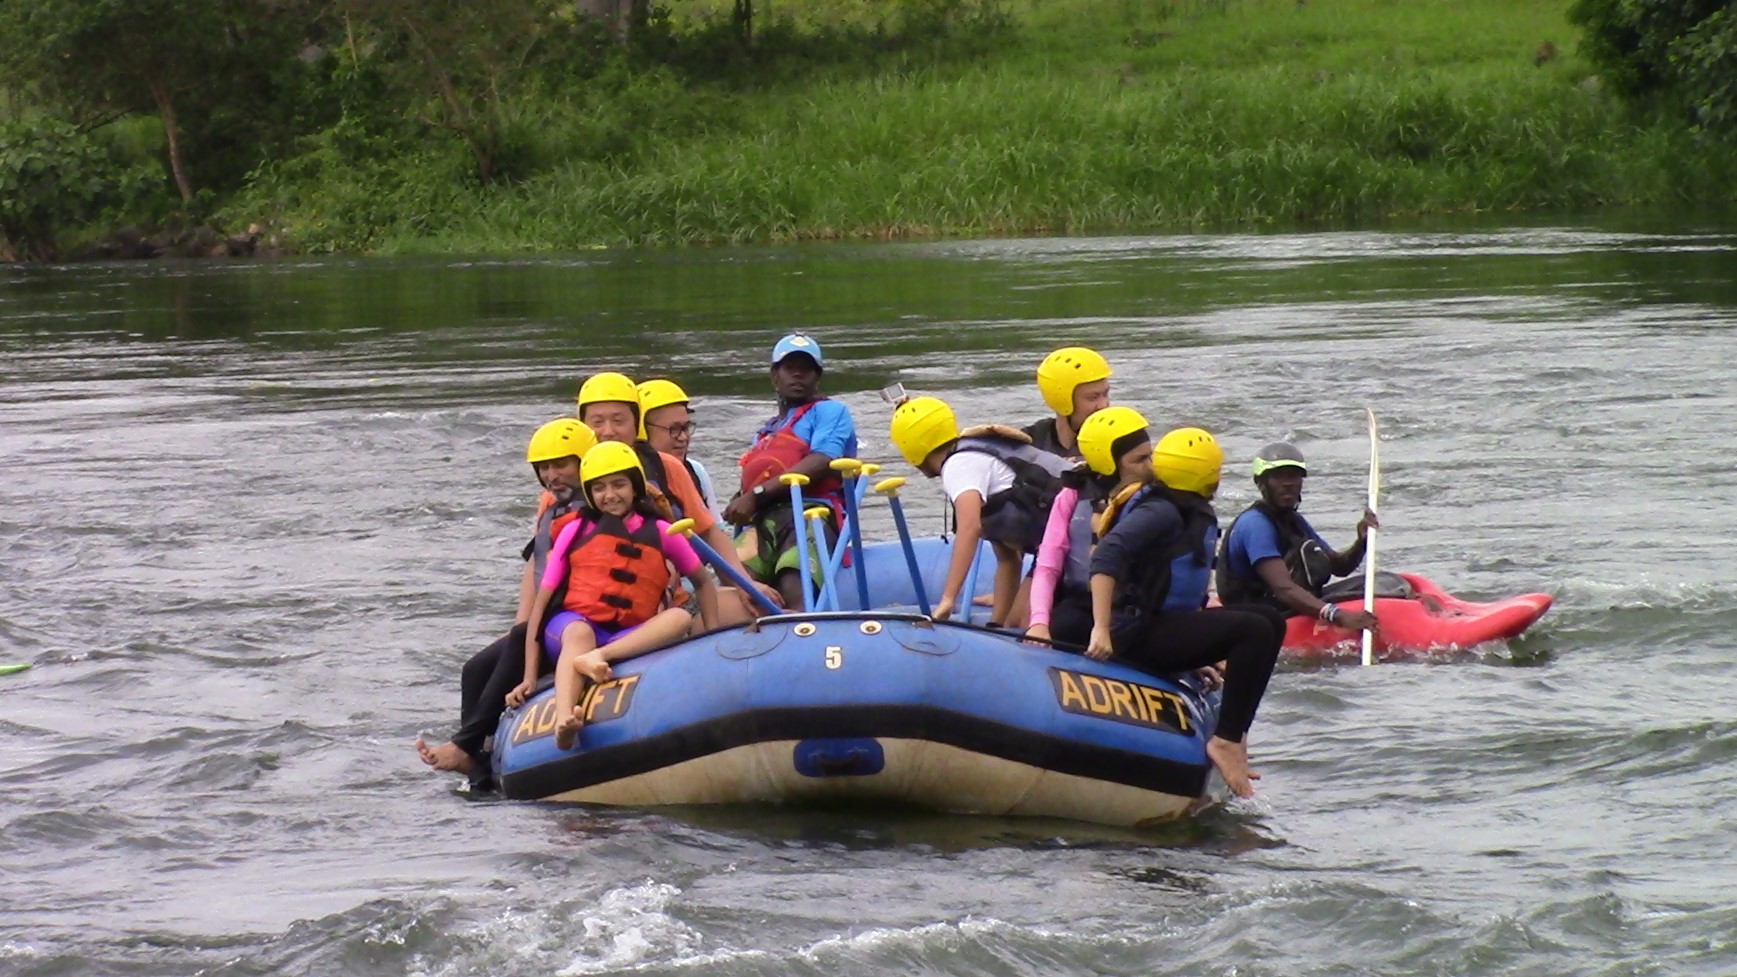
(778, 449)
(616, 576)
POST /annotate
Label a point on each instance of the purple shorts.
(558, 623)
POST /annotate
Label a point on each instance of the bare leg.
(789, 585)
(663, 630)
(1231, 759)
(577, 640)
(446, 756)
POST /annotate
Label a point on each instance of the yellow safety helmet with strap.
(660, 393)
(608, 388)
(657, 393)
(1067, 368)
(922, 424)
(609, 458)
(1101, 431)
(1188, 459)
(560, 438)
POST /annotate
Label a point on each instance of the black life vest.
(1173, 572)
(549, 525)
(657, 476)
(1016, 516)
(1306, 560)
(1044, 437)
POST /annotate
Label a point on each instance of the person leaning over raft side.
(609, 405)
(1000, 487)
(487, 682)
(1273, 557)
(666, 422)
(611, 567)
(1075, 383)
(1149, 574)
(807, 434)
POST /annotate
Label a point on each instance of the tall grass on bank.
(1154, 114)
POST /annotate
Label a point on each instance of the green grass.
(1084, 117)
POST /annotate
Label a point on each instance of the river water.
(254, 516)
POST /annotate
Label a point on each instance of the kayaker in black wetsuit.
(1149, 575)
(1272, 556)
(488, 679)
(1075, 383)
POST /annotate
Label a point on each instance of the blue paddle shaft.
(801, 527)
(910, 553)
(853, 516)
(711, 556)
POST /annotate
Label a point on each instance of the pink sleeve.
(556, 570)
(1052, 555)
(680, 552)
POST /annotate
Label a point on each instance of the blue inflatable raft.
(885, 705)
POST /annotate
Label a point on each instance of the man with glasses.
(668, 421)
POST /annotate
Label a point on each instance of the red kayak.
(1431, 618)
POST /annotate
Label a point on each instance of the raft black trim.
(590, 768)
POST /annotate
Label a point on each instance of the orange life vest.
(616, 577)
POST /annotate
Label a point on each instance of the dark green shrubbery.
(1681, 53)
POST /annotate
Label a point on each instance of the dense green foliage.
(52, 174)
(1681, 51)
(394, 125)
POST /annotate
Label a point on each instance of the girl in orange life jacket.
(613, 564)
(1149, 574)
(489, 679)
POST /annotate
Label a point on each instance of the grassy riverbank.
(1062, 116)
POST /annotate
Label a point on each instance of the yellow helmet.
(609, 458)
(657, 393)
(922, 424)
(1067, 368)
(1101, 431)
(608, 388)
(560, 438)
(660, 393)
(1188, 460)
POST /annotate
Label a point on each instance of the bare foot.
(446, 756)
(592, 667)
(567, 730)
(1231, 759)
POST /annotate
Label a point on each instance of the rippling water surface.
(252, 518)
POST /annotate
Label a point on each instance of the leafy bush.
(1680, 52)
(52, 175)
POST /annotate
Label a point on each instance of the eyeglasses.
(681, 430)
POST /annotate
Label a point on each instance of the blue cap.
(796, 343)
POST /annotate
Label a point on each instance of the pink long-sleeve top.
(1052, 555)
(677, 549)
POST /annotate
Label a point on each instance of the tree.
(1681, 51)
(94, 60)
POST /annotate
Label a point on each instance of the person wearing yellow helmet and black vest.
(1149, 573)
(1000, 486)
(1075, 383)
(487, 681)
(609, 405)
(1272, 556)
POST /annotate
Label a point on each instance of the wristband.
(1329, 613)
